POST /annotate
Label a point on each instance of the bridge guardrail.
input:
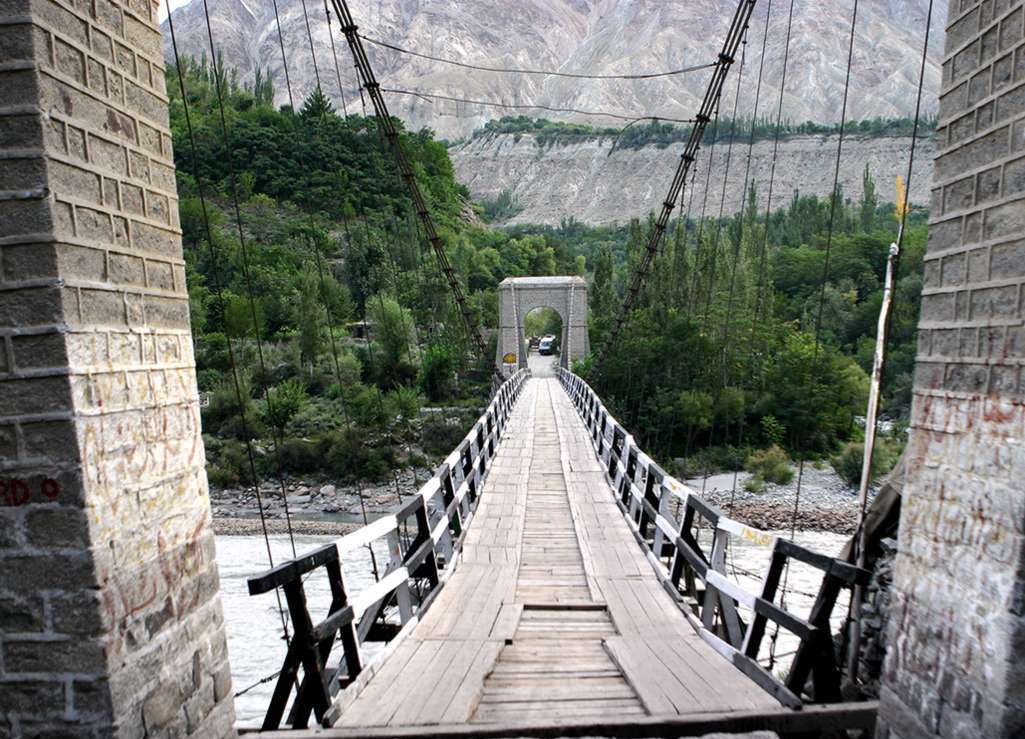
(420, 559)
(646, 493)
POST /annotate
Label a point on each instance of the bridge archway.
(518, 296)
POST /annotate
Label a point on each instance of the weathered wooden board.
(554, 614)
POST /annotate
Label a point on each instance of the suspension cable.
(714, 259)
(334, 55)
(542, 72)
(391, 134)
(709, 104)
(858, 550)
(431, 96)
(699, 248)
(728, 321)
(815, 367)
(725, 183)
(309, 35)
(219, 297)
(244, 252)
(329, 317)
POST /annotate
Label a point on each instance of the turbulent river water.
(256, 647)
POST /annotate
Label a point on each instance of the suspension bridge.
(550, 578)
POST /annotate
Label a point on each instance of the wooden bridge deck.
(553, 613)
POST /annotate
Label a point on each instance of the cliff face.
(593, 36)
(595, 184)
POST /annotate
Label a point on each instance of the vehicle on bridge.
(546, 346)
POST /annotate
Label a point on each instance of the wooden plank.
(464, 700)
(812, 720)
(507, 621)
(445, 688)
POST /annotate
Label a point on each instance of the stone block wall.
(518, 296)
(110, 619)
(956, 659)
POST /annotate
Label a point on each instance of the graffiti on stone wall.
(15, 492)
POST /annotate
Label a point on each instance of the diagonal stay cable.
(709, 104)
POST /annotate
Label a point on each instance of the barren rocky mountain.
(594, 36)
(597, 184)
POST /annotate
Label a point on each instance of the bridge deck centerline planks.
(552, 613)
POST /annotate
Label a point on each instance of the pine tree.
(316, 106)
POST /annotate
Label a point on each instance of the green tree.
(316, 106)
(869, 201)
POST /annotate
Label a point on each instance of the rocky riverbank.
(826, 501)
(314, 507)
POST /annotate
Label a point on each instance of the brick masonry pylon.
(956, 658)
(518, 296)
(109, 608)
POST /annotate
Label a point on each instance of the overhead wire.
(857, 553)
(218, 290)
(431, 96)
(816, 351)
(709, 103)
(728, 321)
(540, 72)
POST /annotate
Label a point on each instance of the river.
(253, 624)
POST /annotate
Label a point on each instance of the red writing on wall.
(16, 492)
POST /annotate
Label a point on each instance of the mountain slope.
(595, 184)
(594, 36)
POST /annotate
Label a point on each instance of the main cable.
(430, 96)
(541, 72)
(369, 83)
(709, 104)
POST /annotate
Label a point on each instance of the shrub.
(404, 403)
(222, 414)
(228, 464)
(301, 456)
(850, 459)
(441, 437)
(437, 370)
(754, 484)
(773, 430)
(367, 408)
(771, 465)
(284, 402)
(346, 456)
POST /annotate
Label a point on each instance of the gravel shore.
(314, 507)
(827, 503)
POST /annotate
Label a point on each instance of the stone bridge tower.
(517, 296)
(110, 618)
(956, 660)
